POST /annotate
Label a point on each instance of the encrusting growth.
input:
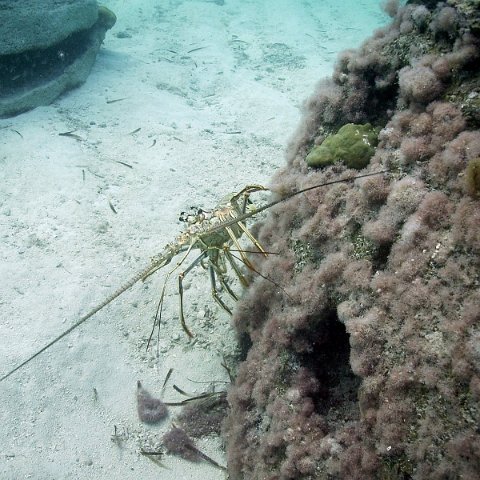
(367, 365)
(150, 409)
(177, 442)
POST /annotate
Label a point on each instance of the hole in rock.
(380, 257)
(26, 70)
(329, 360)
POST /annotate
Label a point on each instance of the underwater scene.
(240, 239)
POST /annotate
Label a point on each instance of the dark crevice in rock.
(37, 65)
(26, 70)
(329, 360)
(380, 257)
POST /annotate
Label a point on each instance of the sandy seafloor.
(211, 121)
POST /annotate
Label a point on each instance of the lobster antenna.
(290, 195)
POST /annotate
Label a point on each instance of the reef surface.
(364, 339)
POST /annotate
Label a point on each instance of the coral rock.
(366, 364)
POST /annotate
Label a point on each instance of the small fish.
(134, 131)
(71, 134)
(196, 49)
(112, 208)
(115, 100)
(123, 163)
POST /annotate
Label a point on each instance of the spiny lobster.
(214, 233)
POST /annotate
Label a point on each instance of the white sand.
(63, 249)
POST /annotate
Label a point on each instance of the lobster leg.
(180, 289)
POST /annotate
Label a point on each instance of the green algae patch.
(106, 17)
(472, 178)
(353, 145)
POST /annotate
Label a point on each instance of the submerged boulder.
(46, 51)
(365, 364)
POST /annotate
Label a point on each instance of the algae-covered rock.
(353, 144)
(48, 50)
(32, 25)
